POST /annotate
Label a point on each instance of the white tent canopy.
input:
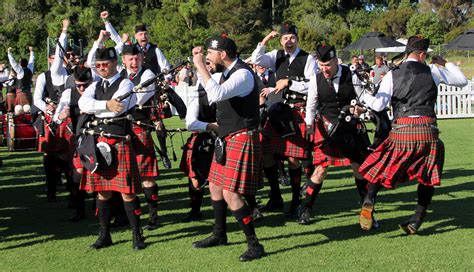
(396, 49)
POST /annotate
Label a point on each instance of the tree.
(452, 13)
(427, 25)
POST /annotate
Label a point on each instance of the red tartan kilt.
(325, 153)
(292, 146)
(142, 144)
(408, 153)
(22, 98)
(60, 141)
(121, 176)
(242, 172)
(186, 164)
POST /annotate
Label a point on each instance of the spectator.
(363, 65)
(380, 69)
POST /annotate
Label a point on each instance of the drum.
(20, 132)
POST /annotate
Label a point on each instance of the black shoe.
(152, 223)
(294, 211)
(166, 162)
(103, 241)
(273, 205)
(138, 240)
(192, 216)
(366, 216)
(254, 251)
(305, 216)
(413, 224)
(257, 215)
(211, 241)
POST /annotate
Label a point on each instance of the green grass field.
(35, 235)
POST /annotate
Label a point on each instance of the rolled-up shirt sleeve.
(146, 93)
(15, 66)
(311, 101)
(240, 83)
(263, 59)
(192, 113)
(63, 103)
(38, 95)
(451, 74)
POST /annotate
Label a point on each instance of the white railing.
(452, 102)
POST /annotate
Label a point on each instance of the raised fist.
(104, 14)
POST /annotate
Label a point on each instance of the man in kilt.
(236, 168)
(68, 111)
(413, 149)
(156, 61)
(53, 139)
(24, 75)
(117, 169)
(293, 68)
(337, 141)
(142, 142)
(199, 148)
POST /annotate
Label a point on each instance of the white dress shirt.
(192, 113)
(63, 102)
(268, 60)
(115, 37)
(58, 71)
(450, 75)
(18, 69)
(240, 83)
(145, 93)
(89, 104)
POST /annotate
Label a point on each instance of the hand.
(103, 36)
(308, 131)
(50, 107)
(438, 60)
(198, 55)
(65, 113)
(265, 92)
(357, 110)
(104, 14)
(9, 50)
(30, 48)
(114, 105)
(125, 37)
(66, 23)
(280, 85)
(270, 36)
(212, 126)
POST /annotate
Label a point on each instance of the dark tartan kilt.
(121, 176)
(242, 172)
(408, 153)
(186, 164)
(60, 141)
(22, 98)
(292, 146)
(326, 153)
(142, 144)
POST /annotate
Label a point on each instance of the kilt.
(142, 144)
(292, 146)
(60, 141)
(325, 153)
(22, 98)
(242, 172)
(11, 97)
(409, 152)
(185, 164)
(121, 176)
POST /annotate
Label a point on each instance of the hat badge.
(214, 44)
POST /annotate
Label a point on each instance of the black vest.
(330, 102)
(207, 113)
(121, 127)
(237, 112)
(74, 110)
(414, 90)
(294, 70)
(151, 60)
(271, 81)
(24, 84)
(144, 114)
(50, 90)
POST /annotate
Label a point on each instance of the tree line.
(178, 25)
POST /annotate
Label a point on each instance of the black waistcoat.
(74, 110)
(294, 70)
(237, 112)
(330, 102)
(143, 114)
(24, 84)
(50, 90)
(121, 127)
(207, 113)
(414, 90)
(271, 81)
(151, 60)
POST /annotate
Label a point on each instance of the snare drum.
(20, 132)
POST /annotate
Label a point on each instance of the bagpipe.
(380, 119)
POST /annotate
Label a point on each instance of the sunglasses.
(102, 65)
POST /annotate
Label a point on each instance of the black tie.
(287, 58)
(223, 79)
(330, 81)
(264, 80)
(105, 85)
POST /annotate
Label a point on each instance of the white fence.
(453, 102)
